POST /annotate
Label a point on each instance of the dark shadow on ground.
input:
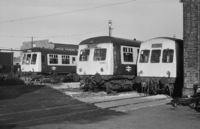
(44, 105)
(11, 92)
(2, 126)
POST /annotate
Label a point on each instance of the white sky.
(71, 21)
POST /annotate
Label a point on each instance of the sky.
(71, 21)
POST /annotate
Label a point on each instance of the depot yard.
(29, 106)
(32, 105)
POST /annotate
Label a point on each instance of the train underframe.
(109, 83)
(112, 84)
(156, 85)
(48, 77)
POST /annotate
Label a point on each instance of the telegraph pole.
(110, 27)
(31, 42)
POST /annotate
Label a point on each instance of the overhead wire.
(74, 11)
(96, 7)
(58, 36)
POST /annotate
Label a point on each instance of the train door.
(126, 59)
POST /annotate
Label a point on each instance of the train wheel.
(76, 77)
(131, 88)
(109, 90)
(169, 89)
(193, 105)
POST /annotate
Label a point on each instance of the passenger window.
(34, 59)
(28, 59)
(84, 55)
(53, 59)
(99, 54)
(168, 55)
(73, 60)
(128, 54)
(65, 59)
(144, 56)
(155, 56)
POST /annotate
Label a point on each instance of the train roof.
(114, 40)
(51, 51)
(169, 38)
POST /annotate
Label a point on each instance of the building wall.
(191, 33)
(37, 43)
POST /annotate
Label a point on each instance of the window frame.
(154, 57)
(147, 58)
(66, 57)
(97, 55)
(52, 56)
(86, 55)
(166, 56)
(33, 62)
(133, 52)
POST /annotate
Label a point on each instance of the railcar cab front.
(107, 60)
(159, 65)
(31, 61)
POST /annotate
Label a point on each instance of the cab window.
(34, 57)
(155, 56)
(84, 55)
(168, 55)
(144, 56)
(99, 54)
(28, 59)
(24, 59)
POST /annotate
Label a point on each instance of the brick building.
(48, 45)
(191, 37)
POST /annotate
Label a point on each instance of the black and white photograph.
(99, 64)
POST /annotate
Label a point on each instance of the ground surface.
(42, 107)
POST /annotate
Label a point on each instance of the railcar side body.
(40, 60)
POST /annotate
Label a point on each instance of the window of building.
(53, 59)
(155, 56)
(99, 54)
(84, 55)
(144, 56)
(65, 59)
(34, 57)
(168, 55)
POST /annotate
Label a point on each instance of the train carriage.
(42, 61)
(107, 62)
(6, 62)
(160, 65)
